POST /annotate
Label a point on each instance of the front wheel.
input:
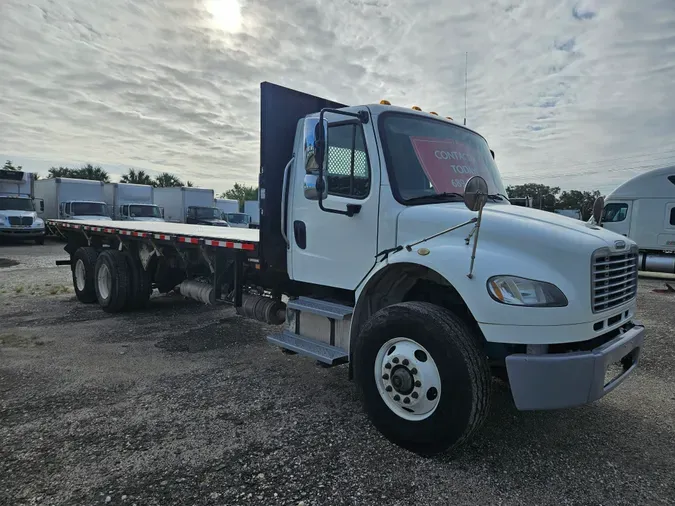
(425, 382)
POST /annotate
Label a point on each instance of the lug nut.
(406, 401)
(413, 371)
(418, 383)
(405, 361)
(414, 395)
(387, 365)
(388, 389)
(385, 376)
(395, 360)
(397, 397)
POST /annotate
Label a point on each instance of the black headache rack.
(280, 110)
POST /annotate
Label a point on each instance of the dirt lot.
(185, 405)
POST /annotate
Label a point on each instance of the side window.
(672, 216)
(614, 213)
(67, 207)
(348, 170)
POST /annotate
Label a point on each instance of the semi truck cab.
(212, 216)
(18, 209)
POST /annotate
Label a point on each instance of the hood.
(21, 214)
(89, 218)
(512, 226)
(147, 219)
(215, 222)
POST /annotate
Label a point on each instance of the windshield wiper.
(498, 196)
(436, 196)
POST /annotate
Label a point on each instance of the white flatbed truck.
(370, 219)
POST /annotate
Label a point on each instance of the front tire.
(424, 380)
(111, 281)
(84, 262)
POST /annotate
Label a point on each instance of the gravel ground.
(181, 404)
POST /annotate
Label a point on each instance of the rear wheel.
(111, 280)
(425, 382)
(84, 262)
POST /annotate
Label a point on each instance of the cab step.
(324, 353)
(321, 307)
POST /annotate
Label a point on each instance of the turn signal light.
(385, 102)
(448, 117)
(434, 113)
(415, 108)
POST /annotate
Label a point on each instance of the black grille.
(20, 220)
(614, 279)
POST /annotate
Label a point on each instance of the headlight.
(517, 291)
(38, 222)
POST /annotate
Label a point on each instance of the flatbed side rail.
(185, 239)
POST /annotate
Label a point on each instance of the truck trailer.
(385, 244)
(73, 199)
(189, 205)
(18, 214)
(131, 202)
(643, 209)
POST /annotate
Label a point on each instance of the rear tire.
(438, 367)
(139, 286)
(83, 265)
(111, 280)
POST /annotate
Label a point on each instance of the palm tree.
(136, 177)
(93, 173)
(166, 180)
(61, 172)
(189, 184)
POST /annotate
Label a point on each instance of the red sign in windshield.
(449, 164)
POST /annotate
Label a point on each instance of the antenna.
(466, 73)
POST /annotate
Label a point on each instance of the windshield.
(207, 213)
(88, 209)
(427, 157)
(236, 218)
(15, 204)
(138, 211)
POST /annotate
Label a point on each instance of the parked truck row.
(374, 252)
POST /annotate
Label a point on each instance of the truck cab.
(383, 260)
(139, 212)
(237, 220)
(199, 215)
(83, 210)
(18, 209)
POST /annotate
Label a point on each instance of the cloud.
(571, 93)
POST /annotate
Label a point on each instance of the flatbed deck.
(227, 237)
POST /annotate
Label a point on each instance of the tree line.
(96, 173)
(550, 198)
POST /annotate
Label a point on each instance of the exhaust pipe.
(198, 291)
(263, 309)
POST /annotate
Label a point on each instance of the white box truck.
(131, 202)
(368, 251)
(643, 209)
(252, 208)
(188, 205)
(69, 198)
(231, 214)
(18, 214)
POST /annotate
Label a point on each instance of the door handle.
(300, 233)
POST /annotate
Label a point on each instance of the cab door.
(616, 217)
(328, 247)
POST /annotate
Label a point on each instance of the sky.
(570, 93)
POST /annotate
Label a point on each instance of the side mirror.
(314, 145)
(311, 187)
(598, 207)
(475, 193)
